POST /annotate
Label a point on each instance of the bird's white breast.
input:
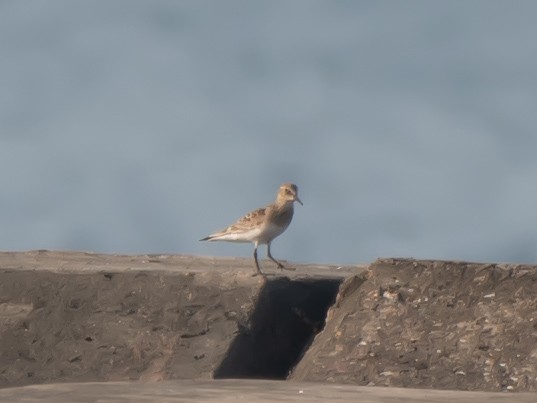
(269, 232)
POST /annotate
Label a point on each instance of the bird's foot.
(282, 268)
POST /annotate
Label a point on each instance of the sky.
(143, 126)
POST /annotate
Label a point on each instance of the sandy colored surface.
(78, 262)
(231, 391)
(160, 327)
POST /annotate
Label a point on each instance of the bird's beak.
(298, 200)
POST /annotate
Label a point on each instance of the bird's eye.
(287, 191)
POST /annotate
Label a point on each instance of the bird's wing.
(247, 222)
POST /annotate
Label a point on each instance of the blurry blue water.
(142, 126)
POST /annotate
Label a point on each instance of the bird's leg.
(256, 263)
(281, 266)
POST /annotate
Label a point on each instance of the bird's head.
(288, 192)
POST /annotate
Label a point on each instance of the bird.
(262, 225)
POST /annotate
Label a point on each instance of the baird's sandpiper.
(261, 226)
